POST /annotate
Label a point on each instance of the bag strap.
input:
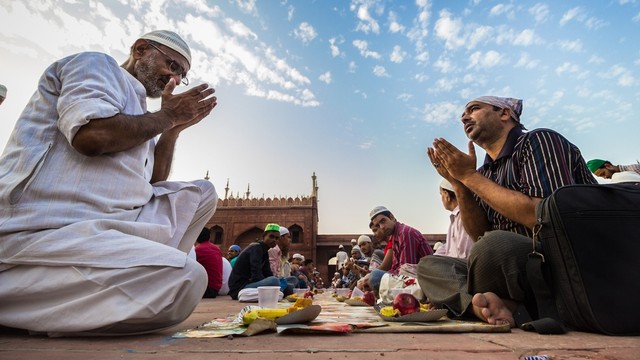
(548, 322)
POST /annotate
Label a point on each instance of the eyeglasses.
(174, 67)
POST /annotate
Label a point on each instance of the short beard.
(146, 72)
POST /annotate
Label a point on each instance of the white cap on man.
(298, 256)
(363, 239)
(445, 184)
(283, 231)
(170, 40)
(376, 211)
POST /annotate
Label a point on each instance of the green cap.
(595, 164)
(272, 227)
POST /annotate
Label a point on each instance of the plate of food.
(356, 302)
(301, 316)
(419, 316)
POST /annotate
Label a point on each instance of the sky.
(354, 91)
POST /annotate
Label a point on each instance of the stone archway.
(247, 237)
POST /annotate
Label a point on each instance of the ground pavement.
(515, 345)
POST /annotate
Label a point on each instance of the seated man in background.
(458, 242)
(279, 261)
(408, 246)
(252, 268)
(210, 257)
(617, 173)
(232, 254)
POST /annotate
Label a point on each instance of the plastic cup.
(268, 296)
(301, 292)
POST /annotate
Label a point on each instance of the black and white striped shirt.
(534, 163)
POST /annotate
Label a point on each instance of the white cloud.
(595, 59)
(525, 38)
(502, 9)
(507, 35)
(620, 74)
(237, 28)
(366, 144)
(404, 97)
(394, 25)
(448, 29)
(444, 64)
(567, 67)
(443, 85)
(363, 46)
(352, 67)
(290, 12)
(570, 15)
(526, 62)
(420, 28)
(421, 77)
(487, 60)
(326, 77)
(380, 71)
(579, 14)
(335, 51)
(422, 57)
(361, 93)
(477, 35)
(305, 33)
(248, 6)
(540, 12)
(636, 18)
(441, 113)
(571, 46)
(366, 23)
(556, 97)
(397, 55)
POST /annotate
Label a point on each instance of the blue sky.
(355, 90)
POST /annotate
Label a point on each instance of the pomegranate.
(406, 303)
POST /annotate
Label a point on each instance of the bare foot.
(492, 309)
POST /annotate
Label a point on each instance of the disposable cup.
(301, 292)
(268, 296)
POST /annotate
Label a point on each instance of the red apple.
(308, 294)
(406, 303)
(369, 297)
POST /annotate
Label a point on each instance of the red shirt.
(210, 257)
(408, 246)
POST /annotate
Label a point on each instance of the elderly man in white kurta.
(93, 239)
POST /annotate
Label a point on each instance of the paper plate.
(300, 316)
(354, 302)
(421, 316)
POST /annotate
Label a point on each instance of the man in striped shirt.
(497, 204)
(408, 245)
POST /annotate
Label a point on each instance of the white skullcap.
(445, 184)
(298, 256)
(364, 239)
(283, 231)
(170, 40)
(3, 90)
(377, 210)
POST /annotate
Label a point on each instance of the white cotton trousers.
(81, 300)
